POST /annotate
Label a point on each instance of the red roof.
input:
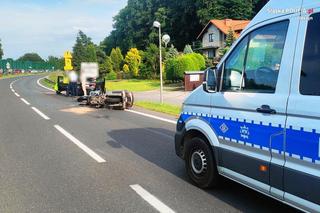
(225, 25)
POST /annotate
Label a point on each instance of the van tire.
(200, 163)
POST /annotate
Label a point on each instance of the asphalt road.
(59, 157)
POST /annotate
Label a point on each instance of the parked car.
(256, 119)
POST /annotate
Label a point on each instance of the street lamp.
(157, 24)
(166, 39)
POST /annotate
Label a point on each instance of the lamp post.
(157, 24)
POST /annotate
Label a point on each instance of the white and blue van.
(256, 119)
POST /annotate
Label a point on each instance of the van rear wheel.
(200, 163)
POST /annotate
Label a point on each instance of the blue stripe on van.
(299, 143)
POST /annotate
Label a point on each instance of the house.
(214, 34)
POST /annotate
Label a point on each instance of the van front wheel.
(200, 163)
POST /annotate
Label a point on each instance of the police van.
(256, 119)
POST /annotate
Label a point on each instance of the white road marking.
(86, 149)
(152, 200)
(17, 94)
(24, 100)
(13, 90)
(38, 82)
(153, 116)
(40, 113)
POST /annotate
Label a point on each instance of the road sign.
(68, 61)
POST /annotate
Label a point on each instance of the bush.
(112, 75)
(176, 67)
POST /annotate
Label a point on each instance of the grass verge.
(158, 107)
(47, 83)
(133, 85)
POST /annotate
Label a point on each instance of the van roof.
(276, 8)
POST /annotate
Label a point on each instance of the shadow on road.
(160, 151)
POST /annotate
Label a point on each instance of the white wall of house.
(216, 37)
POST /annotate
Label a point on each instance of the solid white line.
(153, 116)
(38, 82)
(152, 200)
(86, 149)
(17, 94)
(40, 113)
(24, 100)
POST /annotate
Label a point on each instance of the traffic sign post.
(68, 61)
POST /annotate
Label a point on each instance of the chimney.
(228, 22)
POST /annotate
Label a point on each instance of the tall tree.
(133, 59)
(80, 50)
(1, 50)
(117, 59)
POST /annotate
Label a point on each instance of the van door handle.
(266, 109)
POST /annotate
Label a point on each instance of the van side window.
(310, 72)
(234, 67)
(260, 59)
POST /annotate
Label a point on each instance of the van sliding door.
(302, 167)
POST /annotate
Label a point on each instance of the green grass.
(158, 107)
(47, 83)
(53, 76)
(133, 85)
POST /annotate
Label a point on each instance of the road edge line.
(47, 88)
(151, 199)
(82, 146)
(152, 116)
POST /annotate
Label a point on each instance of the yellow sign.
(68, 61)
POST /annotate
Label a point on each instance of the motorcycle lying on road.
(98, 95)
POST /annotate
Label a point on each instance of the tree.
(91, 54)
(107, 67)
(81, 50)
(117, 59)
(32, 57)
(101, 56)
(171, 53)
(150, 62)
(133, 59)
(187, 49)
(57, 63)
(126, 68)
(1, 50)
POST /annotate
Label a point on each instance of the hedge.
(176, 67)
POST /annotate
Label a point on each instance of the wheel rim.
(199, 162)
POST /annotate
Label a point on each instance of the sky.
(50, 27)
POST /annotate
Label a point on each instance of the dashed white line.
(24, 100)
(17, 94)
(86, 149)
(153, 116)
(38, 82)
(40, 113)
(151, 199)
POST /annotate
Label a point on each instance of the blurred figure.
(73, 76)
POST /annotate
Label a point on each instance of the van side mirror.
(210, 83)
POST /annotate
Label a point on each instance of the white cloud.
(50, 30)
